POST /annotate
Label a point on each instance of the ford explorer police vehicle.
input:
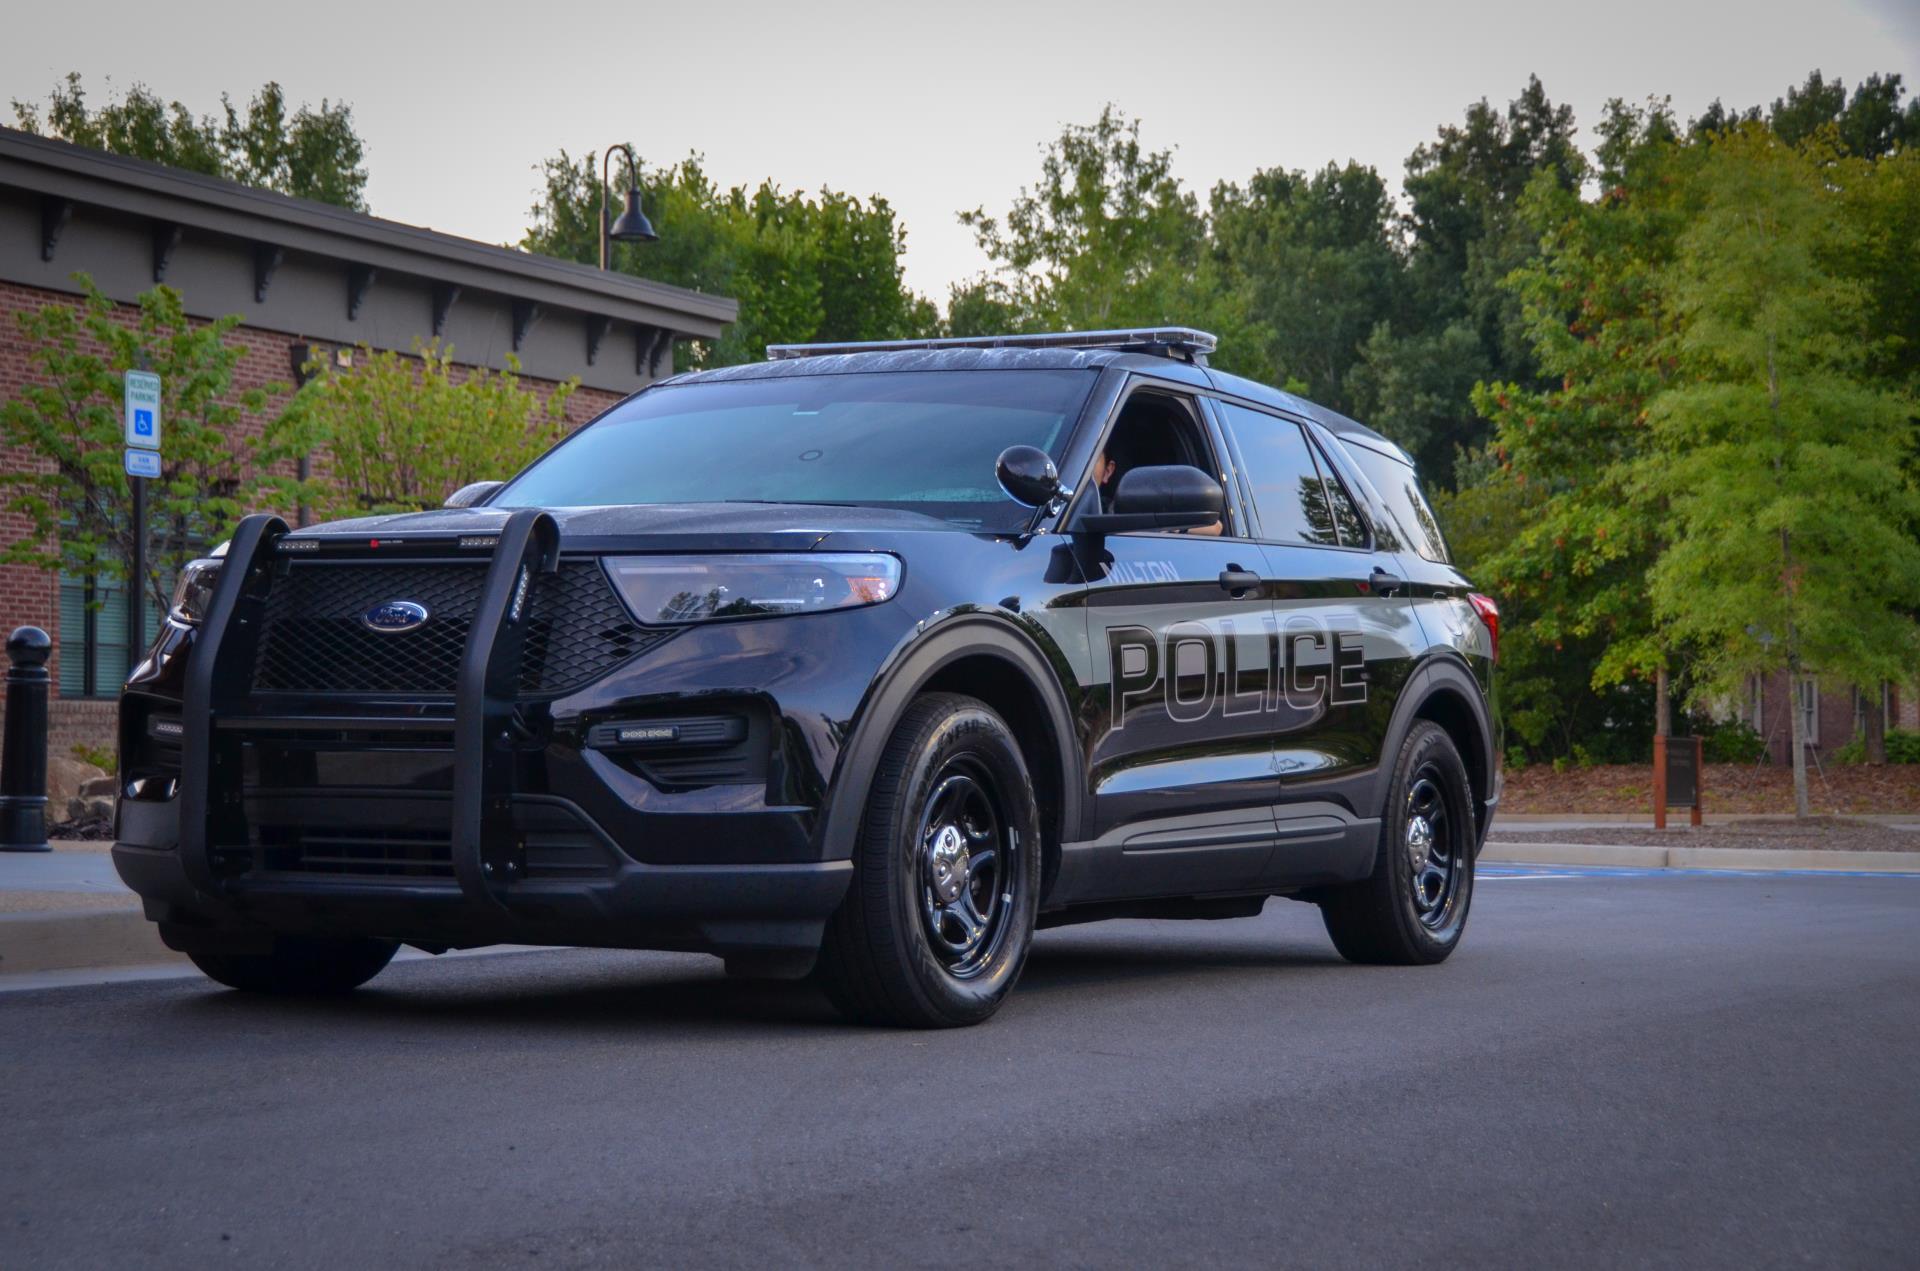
(863, 662)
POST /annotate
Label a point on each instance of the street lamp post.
(633, 226)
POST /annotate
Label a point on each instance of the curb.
(1511, 852)
(80, 941)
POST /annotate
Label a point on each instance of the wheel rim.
(1433, 846)
(965, 853)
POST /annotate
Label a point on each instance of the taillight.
(1489, 614)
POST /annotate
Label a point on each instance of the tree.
(69, 418)
(1573, 567)
(1107, 238)
(1868, 125)
(1316, 263)
(803, 268)
(399, 434)
(1455, 322)
(1796, 540)
(314, 154)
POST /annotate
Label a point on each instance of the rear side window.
(1287, 489)
(1397, 485)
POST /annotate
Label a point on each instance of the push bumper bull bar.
(487, 852)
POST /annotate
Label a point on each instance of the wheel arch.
(985, 657)
(1443, 691)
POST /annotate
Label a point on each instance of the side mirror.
(1027, 475)
(1169, 497)
(468, 495)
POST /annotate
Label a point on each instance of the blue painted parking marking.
(1518, 873)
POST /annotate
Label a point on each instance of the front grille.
(313, 640)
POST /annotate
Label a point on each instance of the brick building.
(302, 276)
(1835, 713)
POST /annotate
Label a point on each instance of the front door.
(1179, 623)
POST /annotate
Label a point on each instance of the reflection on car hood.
(730, 526)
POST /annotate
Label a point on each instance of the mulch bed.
(1815, 833)
(93, 831)
(1856, 789)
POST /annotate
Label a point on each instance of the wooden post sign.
(1676, 777)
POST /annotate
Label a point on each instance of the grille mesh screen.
(313, 639)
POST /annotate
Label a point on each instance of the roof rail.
(1184, 343)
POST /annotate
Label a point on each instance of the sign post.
(1676, 777)
(142, 462)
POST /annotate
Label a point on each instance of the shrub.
(1733, 741)
(101, 757)
(1903, 746)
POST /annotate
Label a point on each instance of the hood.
(740, 527)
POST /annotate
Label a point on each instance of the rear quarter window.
(1399, 489)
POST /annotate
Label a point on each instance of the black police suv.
(865, 661)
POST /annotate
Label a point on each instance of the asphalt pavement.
(1661, 1069)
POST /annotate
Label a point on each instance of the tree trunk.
(1660, 692)
(1875, 725)
(1799, 739)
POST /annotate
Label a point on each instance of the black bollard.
(23, 753)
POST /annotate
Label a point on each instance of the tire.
(300, 966)
(903, 949)
(1406, 914)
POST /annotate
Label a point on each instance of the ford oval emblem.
(390, 617)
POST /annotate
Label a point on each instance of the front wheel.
(938, 921)
(1413, 909)
(300, 965)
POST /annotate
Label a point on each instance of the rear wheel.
(300, 965)
(937, 924)
(1413, 909)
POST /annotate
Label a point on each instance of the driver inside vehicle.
(1151, 430)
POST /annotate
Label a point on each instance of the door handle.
(1237, 581)
(1383, 583)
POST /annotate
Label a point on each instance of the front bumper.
(509, 842)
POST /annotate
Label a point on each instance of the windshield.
(924, 441)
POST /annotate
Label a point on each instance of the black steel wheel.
(1413, 909)
(936, 925)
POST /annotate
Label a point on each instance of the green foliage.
(1870, 125)
(1317, 265)
(1730, 741)
(101, 757)
(1794, 539)
(70, 417)
(803, 268)
(312, 154)
(1455, 322)
(1903, 745)
(1107, 238)
(399, 434)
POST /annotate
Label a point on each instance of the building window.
(93, 635)
(1810, 709)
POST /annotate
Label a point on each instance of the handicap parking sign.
(143, 410)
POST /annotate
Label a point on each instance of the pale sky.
(937, 108)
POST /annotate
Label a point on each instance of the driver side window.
(1155, 429)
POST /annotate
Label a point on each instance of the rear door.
(1345, 649)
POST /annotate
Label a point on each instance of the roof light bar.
(1180, 342)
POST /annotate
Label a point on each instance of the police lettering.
(1195, 671)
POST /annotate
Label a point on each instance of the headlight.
(669, 589)
(194, 590)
